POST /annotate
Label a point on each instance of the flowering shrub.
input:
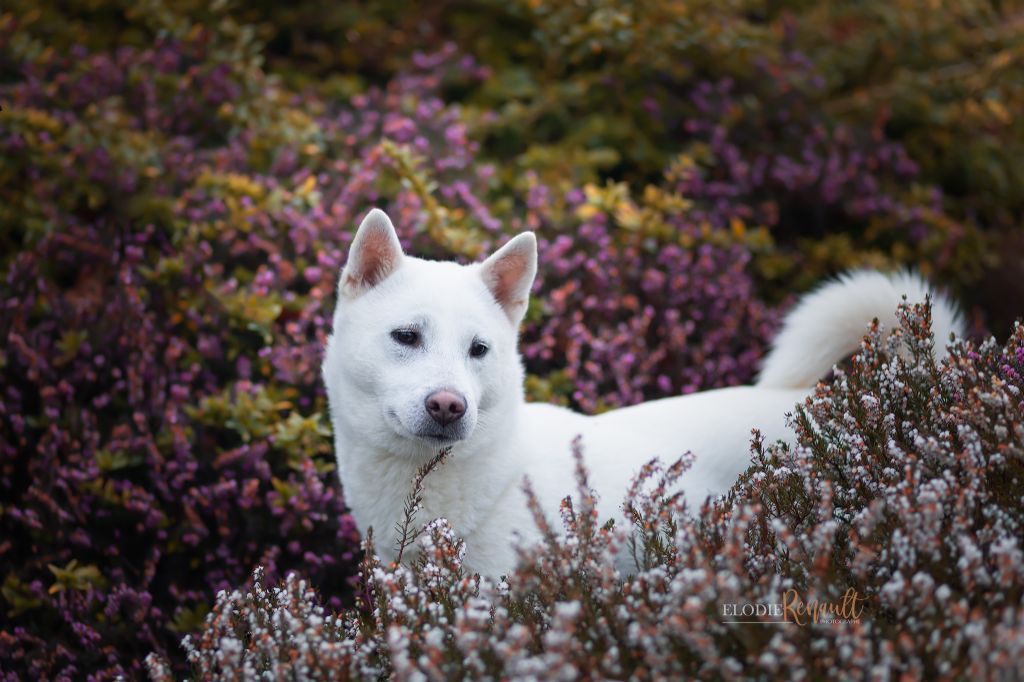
(888, 536)
(172, 222)
(689, 317)
(581, 92)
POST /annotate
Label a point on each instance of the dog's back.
(715, 426)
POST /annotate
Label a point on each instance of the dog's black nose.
(445, 407)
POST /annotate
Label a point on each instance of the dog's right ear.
(509, 273)
(374, 255)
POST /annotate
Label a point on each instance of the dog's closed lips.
(440, 437)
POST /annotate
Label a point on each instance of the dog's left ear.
(509, 274)
(374, 255)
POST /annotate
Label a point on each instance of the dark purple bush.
(172, 222)
(625, 317)
(844, 194)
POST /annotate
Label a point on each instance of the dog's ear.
(509, 274)
(374, 255)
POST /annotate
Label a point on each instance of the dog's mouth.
(441, 437)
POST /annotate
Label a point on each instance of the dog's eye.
(478, 349)
(406, 337)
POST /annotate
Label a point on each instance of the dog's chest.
(465, 492)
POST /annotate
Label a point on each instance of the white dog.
(424, 355)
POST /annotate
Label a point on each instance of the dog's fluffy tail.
(829, 324)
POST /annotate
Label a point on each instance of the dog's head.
(423, 352)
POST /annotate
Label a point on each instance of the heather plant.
(808, 139)
(888, 535)
(823, 100)
(736, 108)
(172, 221)
(946, 80)
(945, 86)
(688, 317)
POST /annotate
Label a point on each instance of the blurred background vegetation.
(599, 92)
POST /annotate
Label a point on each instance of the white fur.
(377, 388)
(829, 323)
